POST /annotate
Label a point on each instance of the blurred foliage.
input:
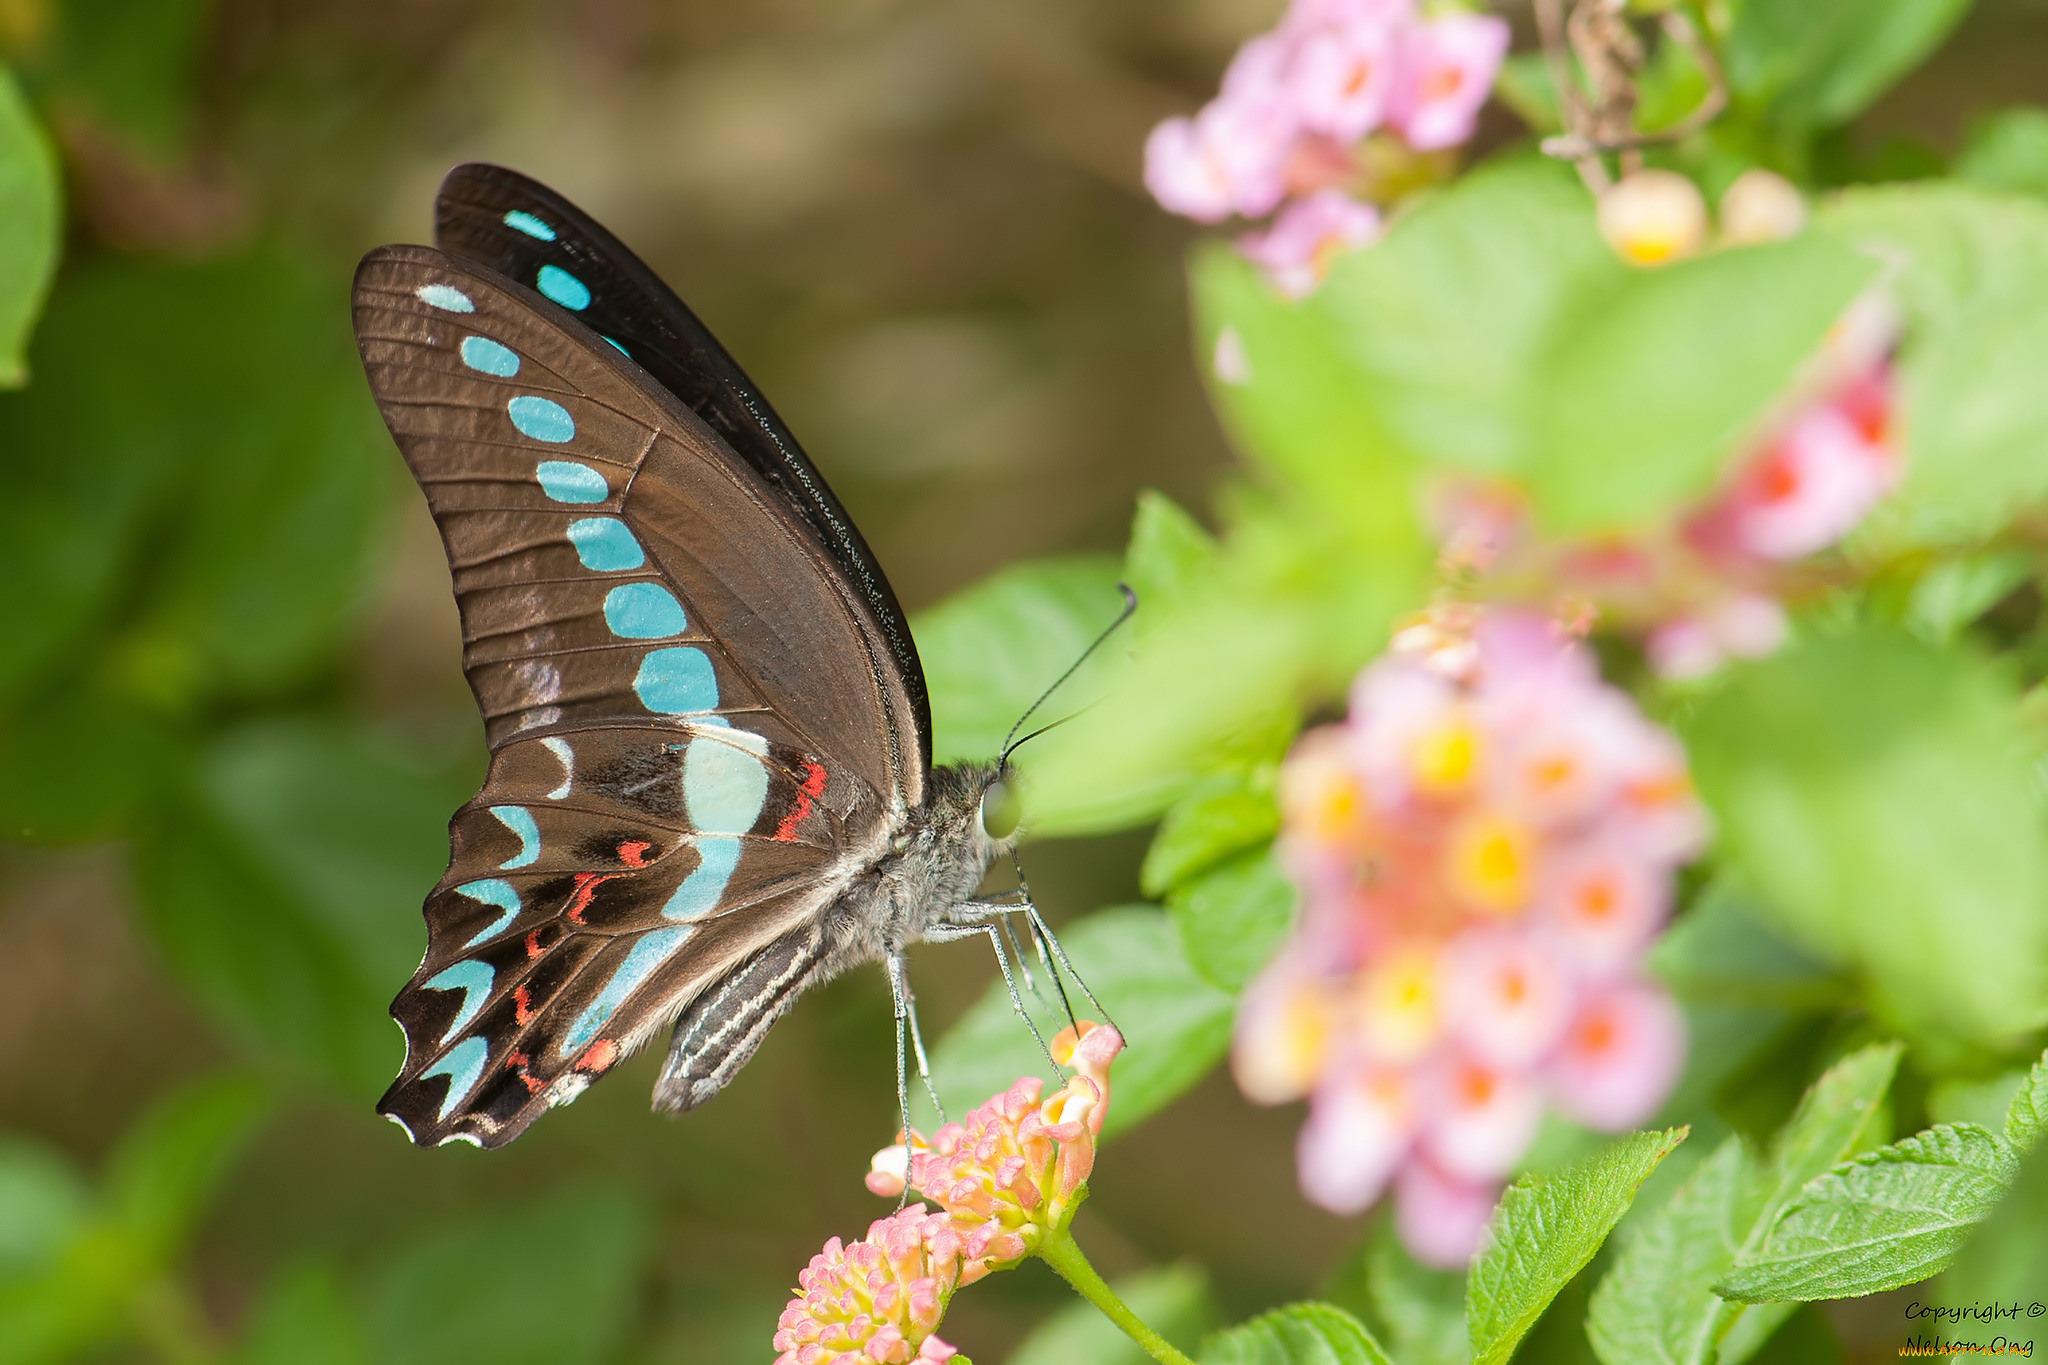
(206, 685)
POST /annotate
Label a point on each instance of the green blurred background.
(232, 722)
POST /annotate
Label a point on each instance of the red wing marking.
(813, 787)
(522, 1008)
(516, 1062)
(598, 1056)
(633, 852)
(533, 948)
(586, 887)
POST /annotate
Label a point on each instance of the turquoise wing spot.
(462, 1066)
(566, 756)
(568, 481)
(718, 855)
(643, 611)
(473, 979)
(724, 784)
(492, 892)
(604, 544)
(445, 297)
(520, 821)
(519, 220)
(486, 356)
(620, 349)
(676, 682)
(653, 949)
(564, 288)
(542, 419)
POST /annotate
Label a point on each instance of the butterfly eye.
(1000, 810)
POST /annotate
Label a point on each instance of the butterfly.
(710, 783)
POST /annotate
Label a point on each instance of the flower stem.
(1059, 1250)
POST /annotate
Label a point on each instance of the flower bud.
(1761, 206)
(1652, 217)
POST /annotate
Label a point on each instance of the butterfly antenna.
(1130, 609)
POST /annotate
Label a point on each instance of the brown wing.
(697, 735)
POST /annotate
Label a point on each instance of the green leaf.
(1544, 1231)
(196, 480)
(1446, 318)
(1971, 268)
(2007, 150)
(43, 1201)
(449, 1296)
(1956, 592)
(256, 959)
(285, 886)
(1287, 395)
(1172, 1300)
(163, 1174)
(1233, 918)
(1176, 1024)
(1417, 1310)
(134, 64)
(1299, 1334)
(1222, 816)
(1658, 1302)
(304, 1318)
(31, 206)
(1877, 796)
(77, 758)
(349, 824)
(1822, 62)
(2027, 1115)
(2006, 1256)
(992, 649)
(1645, 398)
(1169, 553)
(1890, 1217)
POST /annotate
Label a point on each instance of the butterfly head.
(1000, 810)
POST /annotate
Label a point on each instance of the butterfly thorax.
(928, 877)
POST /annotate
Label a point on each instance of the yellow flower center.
(1399, 1003)
(1489, 863)
(1444, 758)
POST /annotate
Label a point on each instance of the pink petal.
(1478, 1119)
(1505, 996)
(1296, 252)
(1359, 1128)
(1603, 901)
(1448, 65)
(1441, 1220)
(1620, 1057)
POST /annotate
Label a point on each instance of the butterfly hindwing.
(527, 232)
(697, 733)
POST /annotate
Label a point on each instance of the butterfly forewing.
(696, 730)
(527, 232)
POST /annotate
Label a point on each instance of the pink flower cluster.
(1294, 105)
(1484, 850)
(1708, 586)
(878, 1301)
(1014, 1170)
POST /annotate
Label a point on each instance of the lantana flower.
(1288, 126)
(1710, 584)
(1007, 1180)
(1013, 1169)
(1484, 850)
(878, 1301)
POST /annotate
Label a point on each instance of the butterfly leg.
(947, 933)
(1043, 933)
(898, 968)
